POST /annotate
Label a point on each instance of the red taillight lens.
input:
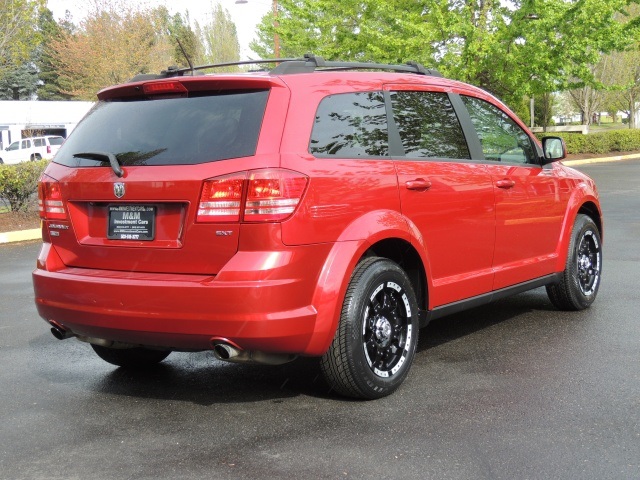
(50, 202)
(221, 198)
(273, 194)
(268, 195)
(48, 148)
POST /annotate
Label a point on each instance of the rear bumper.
(259, 301)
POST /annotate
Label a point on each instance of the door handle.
(419, 184)
(505, 184)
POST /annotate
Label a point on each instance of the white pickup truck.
(34, 148)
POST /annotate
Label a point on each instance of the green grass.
(607, 127)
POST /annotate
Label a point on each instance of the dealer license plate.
(131, 222)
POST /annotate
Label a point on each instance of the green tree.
(513, 49)
(20, 83)
(18, 32)
(544, 109)
(219, 38)
(113, 44)
(52, 85)
(178, 28)
(625, 66)
(628, 97)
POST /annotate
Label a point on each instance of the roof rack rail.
(307, 64)
(311, 63)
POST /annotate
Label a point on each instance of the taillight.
(48, 148)
(221, 198)
(268, 195)
(273, 194)
(50, 203)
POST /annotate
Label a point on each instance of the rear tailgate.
(147, 220)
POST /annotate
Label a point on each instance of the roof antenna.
(185, 55)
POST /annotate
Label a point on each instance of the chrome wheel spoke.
(385, 330)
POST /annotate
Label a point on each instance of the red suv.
(310, 210)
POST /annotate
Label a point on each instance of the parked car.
(35, 148)
(312, 210)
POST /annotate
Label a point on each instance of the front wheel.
(130, 357)
(581, 277)
(377, 334)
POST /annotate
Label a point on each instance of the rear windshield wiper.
(115, 165)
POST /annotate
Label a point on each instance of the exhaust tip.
(59, 331)
(224, 352)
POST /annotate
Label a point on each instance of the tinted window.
(501, 137)
(169, 131)
(13, 146)
(428, 125)
(56, 140)
(351, 125)
(38, 142)
(26, 143)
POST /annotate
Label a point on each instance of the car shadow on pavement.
(200, 378)
(459, 325)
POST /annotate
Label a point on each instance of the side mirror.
(554, 149)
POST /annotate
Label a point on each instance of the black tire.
(581, 277)
(131, 357)
(377, 335)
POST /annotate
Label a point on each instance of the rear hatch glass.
(145, 221)
(171, 131)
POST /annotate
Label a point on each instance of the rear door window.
(170, 131)
(351, 125)
(428, 125)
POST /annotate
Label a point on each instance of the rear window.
(172, 131)
(56, 140)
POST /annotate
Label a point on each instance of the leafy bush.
(601, 142)
(19, 183)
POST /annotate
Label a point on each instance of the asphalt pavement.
(513, 390)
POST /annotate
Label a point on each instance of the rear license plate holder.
(131, 222)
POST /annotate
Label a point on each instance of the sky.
(245, 16)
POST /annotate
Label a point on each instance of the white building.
(21, 119)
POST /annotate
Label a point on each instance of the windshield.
(169, 131)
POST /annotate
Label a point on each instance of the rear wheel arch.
(339, 268)
(408, 259)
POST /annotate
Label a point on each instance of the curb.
(587, 161)
(36, 233)
(20, 236)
